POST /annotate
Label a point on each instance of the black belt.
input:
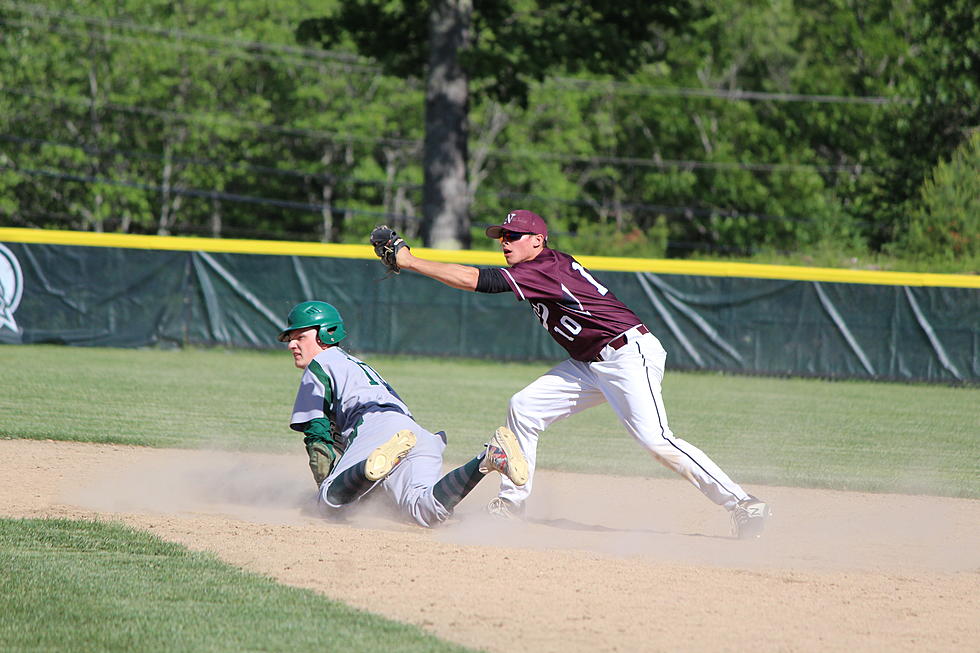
(619, 341)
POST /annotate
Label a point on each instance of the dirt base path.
(604, 564)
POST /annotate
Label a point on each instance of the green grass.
(86, 586)
(95, 586)
(912, 438)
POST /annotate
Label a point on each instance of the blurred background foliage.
(836, 133)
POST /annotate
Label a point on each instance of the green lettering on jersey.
(368, 371)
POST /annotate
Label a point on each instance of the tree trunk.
(326, 212)
(168, 207)
(347, 216)
(95, 171)
(327, 227)
(388, 193)
(407, 224)
(445, 196)
(163, 228)
(496, 122)
(215, 216)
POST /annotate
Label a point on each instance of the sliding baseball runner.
(360, 435)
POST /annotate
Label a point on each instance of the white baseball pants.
(629, 379)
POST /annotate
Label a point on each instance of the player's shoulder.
(547, 259)
(334, 356)
(544, 272)
(562, 257)
(557, 257)
(327, 360)
(316, 369)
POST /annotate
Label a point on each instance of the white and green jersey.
(342, 389)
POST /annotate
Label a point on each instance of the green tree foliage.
(465, 49)
(942, 84)
(947, 222)
(146, 116)
(729, 129)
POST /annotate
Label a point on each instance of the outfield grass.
(87, 586)
(913, 438)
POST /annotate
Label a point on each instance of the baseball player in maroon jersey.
(612, 357)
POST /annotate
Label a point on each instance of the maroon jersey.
(580, 313)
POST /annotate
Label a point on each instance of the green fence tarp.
(101, 296)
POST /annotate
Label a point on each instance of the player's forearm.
(463, 277)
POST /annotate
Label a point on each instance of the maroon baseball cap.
(520, 221)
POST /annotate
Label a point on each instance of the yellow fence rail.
(475, 257)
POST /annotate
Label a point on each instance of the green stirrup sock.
(349, 486)
(455, 485)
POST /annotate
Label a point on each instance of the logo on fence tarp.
(11, 288)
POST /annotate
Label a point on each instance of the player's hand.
(403, 257)
(322, 458)
(387, 245)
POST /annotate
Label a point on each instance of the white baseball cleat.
(504, 455)
(501, 508)
(383, 459)
(749, 518)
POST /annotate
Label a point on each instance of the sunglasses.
(511, 236)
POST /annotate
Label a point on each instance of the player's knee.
(519, 403)
(334, 496)
(426, 509)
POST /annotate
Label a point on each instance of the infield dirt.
(603, 564)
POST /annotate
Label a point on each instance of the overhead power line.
(238, 165)
(313, 207)
(416, 145)
(352, 62)
(224, 165)
(206, 49)
(205, 119)
(626, 88)
(681, 163)
(194, 192)
(312, 53)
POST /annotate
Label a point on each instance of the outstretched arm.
(463, 277)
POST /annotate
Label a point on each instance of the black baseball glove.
(387, 242)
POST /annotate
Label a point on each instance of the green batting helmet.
(316, 314)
